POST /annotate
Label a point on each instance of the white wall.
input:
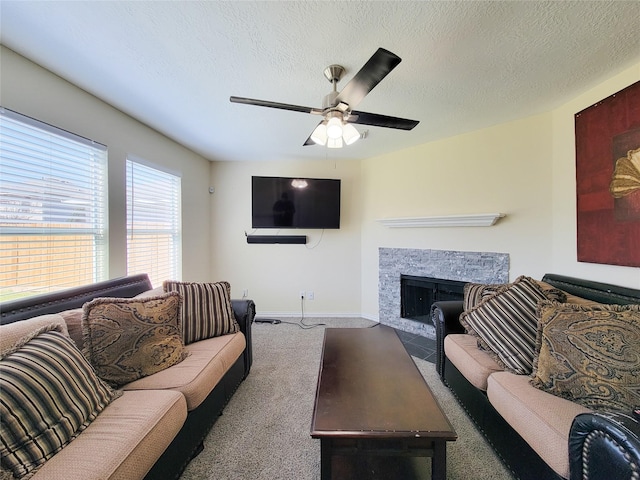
(274, 274)
(31, 90)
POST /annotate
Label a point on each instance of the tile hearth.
(419, 346)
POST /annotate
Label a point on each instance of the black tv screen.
(281, 202)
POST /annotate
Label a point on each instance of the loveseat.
(539, 435)
(156, 424)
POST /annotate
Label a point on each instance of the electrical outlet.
(302, 294)
(245, 293)
(310, 296)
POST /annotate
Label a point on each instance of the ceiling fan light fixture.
(350, 134)
(334, 128)
(334, 142)
(319, 135)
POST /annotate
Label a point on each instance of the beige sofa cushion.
(73, 319)
(12, 333)
(123, 442)
(475, 364)
(200, 372)
(542, 420)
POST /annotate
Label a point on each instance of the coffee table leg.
(439, 461)
(325, 459)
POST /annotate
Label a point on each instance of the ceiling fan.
(335, 129)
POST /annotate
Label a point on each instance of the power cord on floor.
(301, 324)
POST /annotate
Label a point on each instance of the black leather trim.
(70, 298)
(604, 445)
(445, 317)
(245, 312)
(596, 291)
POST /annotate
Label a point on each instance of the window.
(153, 223)
(53, 208)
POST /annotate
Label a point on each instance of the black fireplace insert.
(418, 293)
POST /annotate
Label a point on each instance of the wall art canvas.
(608, 179)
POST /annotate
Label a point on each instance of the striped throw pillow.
(49, 393)
(475, 293)
(206, 309)
(506, 323)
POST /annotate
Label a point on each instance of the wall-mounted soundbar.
(300, 239)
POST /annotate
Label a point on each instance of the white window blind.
(53, 208)
(153, 223)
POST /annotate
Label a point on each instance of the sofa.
(536, 433)
(152, 426)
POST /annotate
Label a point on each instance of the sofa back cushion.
(49, 394)
(206, 309)
(13, 333)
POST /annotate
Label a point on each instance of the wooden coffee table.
(372, 400)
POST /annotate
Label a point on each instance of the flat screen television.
(283, 202)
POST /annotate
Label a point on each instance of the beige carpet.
(264, 431)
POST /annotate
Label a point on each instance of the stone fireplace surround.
(478, 267)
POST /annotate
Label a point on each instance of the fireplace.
(448, 265)
(418, 293)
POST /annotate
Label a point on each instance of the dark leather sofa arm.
(245, 311)
(445, 316)
(604, 445)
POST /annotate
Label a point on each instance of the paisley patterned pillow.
(129, 338)
(589, 354)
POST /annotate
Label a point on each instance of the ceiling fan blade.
(281, 106)
(376, 120)
(372, 73)
(309, 141)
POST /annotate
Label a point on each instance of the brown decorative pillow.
(206, 309)
(128, 338)
(589, 354)
(506, 324)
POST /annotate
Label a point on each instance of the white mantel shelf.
(474, 220)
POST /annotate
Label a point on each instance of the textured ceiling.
(465, 64)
